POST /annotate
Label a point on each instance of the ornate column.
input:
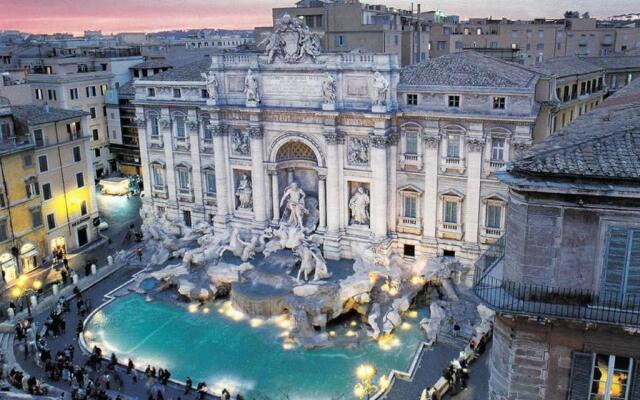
(472, 197)
(378, 195)
(275, 197)
(166, 131)
(257, 175)
(222, 185)
(430, 201)
(333, 184)
(322, 205)
(141, 123)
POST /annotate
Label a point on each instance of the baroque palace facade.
(402, 157)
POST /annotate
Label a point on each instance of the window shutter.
(613, 274)
(633, 271)
(580, 380)
(634, 393)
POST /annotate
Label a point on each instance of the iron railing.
(509, 297)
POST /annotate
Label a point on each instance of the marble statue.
(291, 41)
(381, 87)
(294, 196)
(358, 151)
(211, 82)
(329, 89)
(285, 237)
(358, 204)
(251, 87)
(240, 248)
(244, 193)
(240, 143)
(311, 261)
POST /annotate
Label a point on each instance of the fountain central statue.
(295, 205)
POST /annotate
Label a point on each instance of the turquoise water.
(226, 353)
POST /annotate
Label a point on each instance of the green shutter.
(580, 380)
(614, 268)
(632, 292)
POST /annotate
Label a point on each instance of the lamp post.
(23, 289)
(365, 387)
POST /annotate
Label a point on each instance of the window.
(341, 40)
(93, 91)
(51, 94)
(73, 129)
(39, 94)
(499, 102)
(96, 152)
(43, 165)
(51, 221)
(412, 99)
(186, 215)
(411, 143)
(450, 212)
(73, 93)
(158, 176)
(155, 132)
(497, 149)
(32, 188)
(103, 89)
(180, 131)
(453, 146)
(204, 93)
(92, 111)
(27, 160)
(183, 179)
(151, 92)
(210, 180)
(46, 191)
(177, 93)
(104, 111)
(83, 207)
(76, 154)
(95, 134)
(514, 34)
(38, 137)
(494, 216)
(621, 270)
(409, 250)
(611, 376)
(454, 101)
(441, 45)
(3, 230)
(540, 46)
(410, 206)
(79, 179)
(36, 217)
(6, 131)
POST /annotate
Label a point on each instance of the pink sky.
(46, 16)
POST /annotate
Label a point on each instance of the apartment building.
(535, 40)
(64, 173)
(22, 232)
(565, 281)
(570, 86)
(354, 26)
(80, 82)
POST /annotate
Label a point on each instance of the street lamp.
(365, 387)
(22, 289)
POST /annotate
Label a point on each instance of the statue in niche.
(241, 143)
(294, 196)
(251, 87)
(211, 83)
(359, 205)
(329, 89)
(381, 87)
(244, 193)
(358, 151)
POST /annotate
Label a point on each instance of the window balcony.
(181, 144)
(210, 198)
(159, 192)
(186, 195)
(516, 298)
(496, 165)
(412, 160)
(156, 142)
(450, 230)
(489, 235)
(452, 163)
(409, 225)
(206, 146)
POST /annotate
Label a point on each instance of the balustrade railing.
(517, 298)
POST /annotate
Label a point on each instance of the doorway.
(83, 236)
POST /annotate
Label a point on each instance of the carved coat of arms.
(291, 41)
